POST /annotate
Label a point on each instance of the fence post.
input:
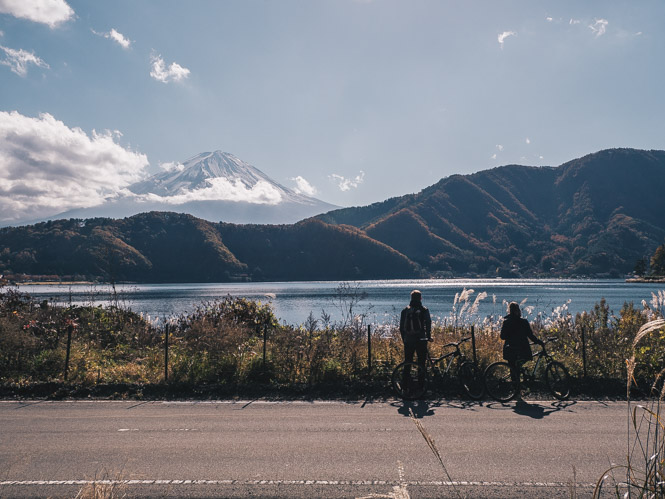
(584, 350)
(369, 349)
(265, 341)
(473, 344)
(70, 328)
(166, 353)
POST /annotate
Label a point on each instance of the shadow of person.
(536, 411)
(419, 408)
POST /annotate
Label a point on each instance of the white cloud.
(528, 140)
(116, 36)
(160, 72)
(222, 189)
(499, 147)
(574, 21)
(303, 186)
(599, 27)
(47, 167)
(50, 12)
(173, 166)
(346, 184)
(549, 19)
(502, 36)
(19, 60)
(493, 156)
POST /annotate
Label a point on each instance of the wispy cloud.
(574, 21)
(527, 140)
(19, 60)
(599, 27)
(49, 12)
(499, 147)
(172, 166)
(346, 184)
(502, 36)
(47, 167)
(161, 72)
(116, 36)
(303, 186)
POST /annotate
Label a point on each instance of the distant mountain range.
(593, 216)
(215, 186)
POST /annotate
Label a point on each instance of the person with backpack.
(415, 326)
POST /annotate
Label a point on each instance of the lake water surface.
(294, 301)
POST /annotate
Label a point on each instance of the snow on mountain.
(215, 186)
(218, 176)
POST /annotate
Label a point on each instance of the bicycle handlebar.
(452, 343)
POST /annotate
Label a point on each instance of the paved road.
(302, 449)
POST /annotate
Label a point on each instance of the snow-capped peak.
(218, 173)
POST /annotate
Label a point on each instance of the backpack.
(414, 322)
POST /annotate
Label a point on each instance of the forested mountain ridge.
(172, 247)
(594, 216)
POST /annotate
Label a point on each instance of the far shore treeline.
(598, 216)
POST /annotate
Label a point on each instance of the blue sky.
(353, 101)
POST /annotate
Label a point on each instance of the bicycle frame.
(454, 354)
(531, 376)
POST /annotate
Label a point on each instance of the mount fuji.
(215, 186)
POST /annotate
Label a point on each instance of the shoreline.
(646, 280)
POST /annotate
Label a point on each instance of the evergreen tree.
(658, 261)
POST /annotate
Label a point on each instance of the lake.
(382, 302)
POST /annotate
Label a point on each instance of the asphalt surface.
(308, 449)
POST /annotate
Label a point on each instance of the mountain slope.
(594, 215)
(214, 186)
(171, 247)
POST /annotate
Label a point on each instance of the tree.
(658, 261)
(640, 267)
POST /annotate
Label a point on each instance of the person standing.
(516, 333)
(415, 327)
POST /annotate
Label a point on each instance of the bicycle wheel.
(409, 381)
(471, 378)
(558, 380)
(499, 382)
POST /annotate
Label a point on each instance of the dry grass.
(643, 475)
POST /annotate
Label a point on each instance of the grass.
(643, 474)
(218, 349)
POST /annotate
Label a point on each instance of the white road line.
(5, 483)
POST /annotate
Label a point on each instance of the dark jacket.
(425, 331)
(517, 332)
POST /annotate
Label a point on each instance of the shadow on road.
(420, 408)
(537, 411)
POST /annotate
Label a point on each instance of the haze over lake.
(383, 299)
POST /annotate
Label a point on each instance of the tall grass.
(222, 342)
(643, 475)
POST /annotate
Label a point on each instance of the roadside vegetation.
(236, 347)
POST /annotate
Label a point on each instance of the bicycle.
(410, 380)
(501, 386)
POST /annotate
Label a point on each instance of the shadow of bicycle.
(533, 410)
(422, 408)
